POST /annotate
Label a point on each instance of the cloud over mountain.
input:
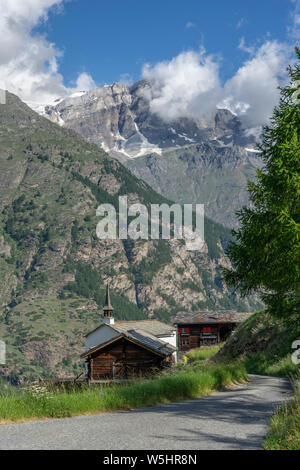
(28, 61)
(189, 84)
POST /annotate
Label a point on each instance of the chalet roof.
(154, 327)
(151, 341)
(220, 316)
(141, 338)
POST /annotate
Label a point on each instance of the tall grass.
(179, 384)
(284, 432)
(205, 352)
(268, 364)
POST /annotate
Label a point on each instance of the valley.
(53, 266)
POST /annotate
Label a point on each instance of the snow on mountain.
(118, 118)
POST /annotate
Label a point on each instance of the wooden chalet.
(206, 328)
(126, 349)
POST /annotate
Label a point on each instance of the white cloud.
(294, 26)
(189, 84)
(28, 61)
(241, 23)
(84, 82)
(253, 91)
(189, 25)
(243, 47)
(126, 79)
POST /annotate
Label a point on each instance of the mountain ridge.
(118, 119)
(201, 174)
(113, 115)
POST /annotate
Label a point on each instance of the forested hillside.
(53, 266)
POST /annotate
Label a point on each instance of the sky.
(196, 54)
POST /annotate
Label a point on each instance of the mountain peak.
(112, 114)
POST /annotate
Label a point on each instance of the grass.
(205, 352)
(182, 382)
(284, 433)
(264, 344)
(266, 364)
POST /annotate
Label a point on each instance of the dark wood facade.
(194, 335)
(122, 358)
(206, 328)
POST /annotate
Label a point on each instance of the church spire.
(107, 309)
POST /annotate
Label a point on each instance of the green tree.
(265, 252)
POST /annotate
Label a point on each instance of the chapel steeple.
(108, 308)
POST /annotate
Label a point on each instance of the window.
(207, 330)
(185, 341)
(183, 331)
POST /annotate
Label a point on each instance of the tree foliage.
(266, 249)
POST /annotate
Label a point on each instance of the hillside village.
(123, 350)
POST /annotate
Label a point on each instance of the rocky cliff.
(201, 173)
(187, 160)
(118, 119)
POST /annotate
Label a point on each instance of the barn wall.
(196, 338)
(103, 362)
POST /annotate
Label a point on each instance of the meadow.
(185, 381)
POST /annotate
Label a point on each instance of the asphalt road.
(234, 419)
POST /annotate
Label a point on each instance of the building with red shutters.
(206, 328)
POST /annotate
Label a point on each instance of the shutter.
(207, 330)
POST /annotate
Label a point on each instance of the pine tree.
(265, 252)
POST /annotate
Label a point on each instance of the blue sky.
(196, 54)
(109, 38)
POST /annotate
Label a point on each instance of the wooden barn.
(206, 328)
(126, 349)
